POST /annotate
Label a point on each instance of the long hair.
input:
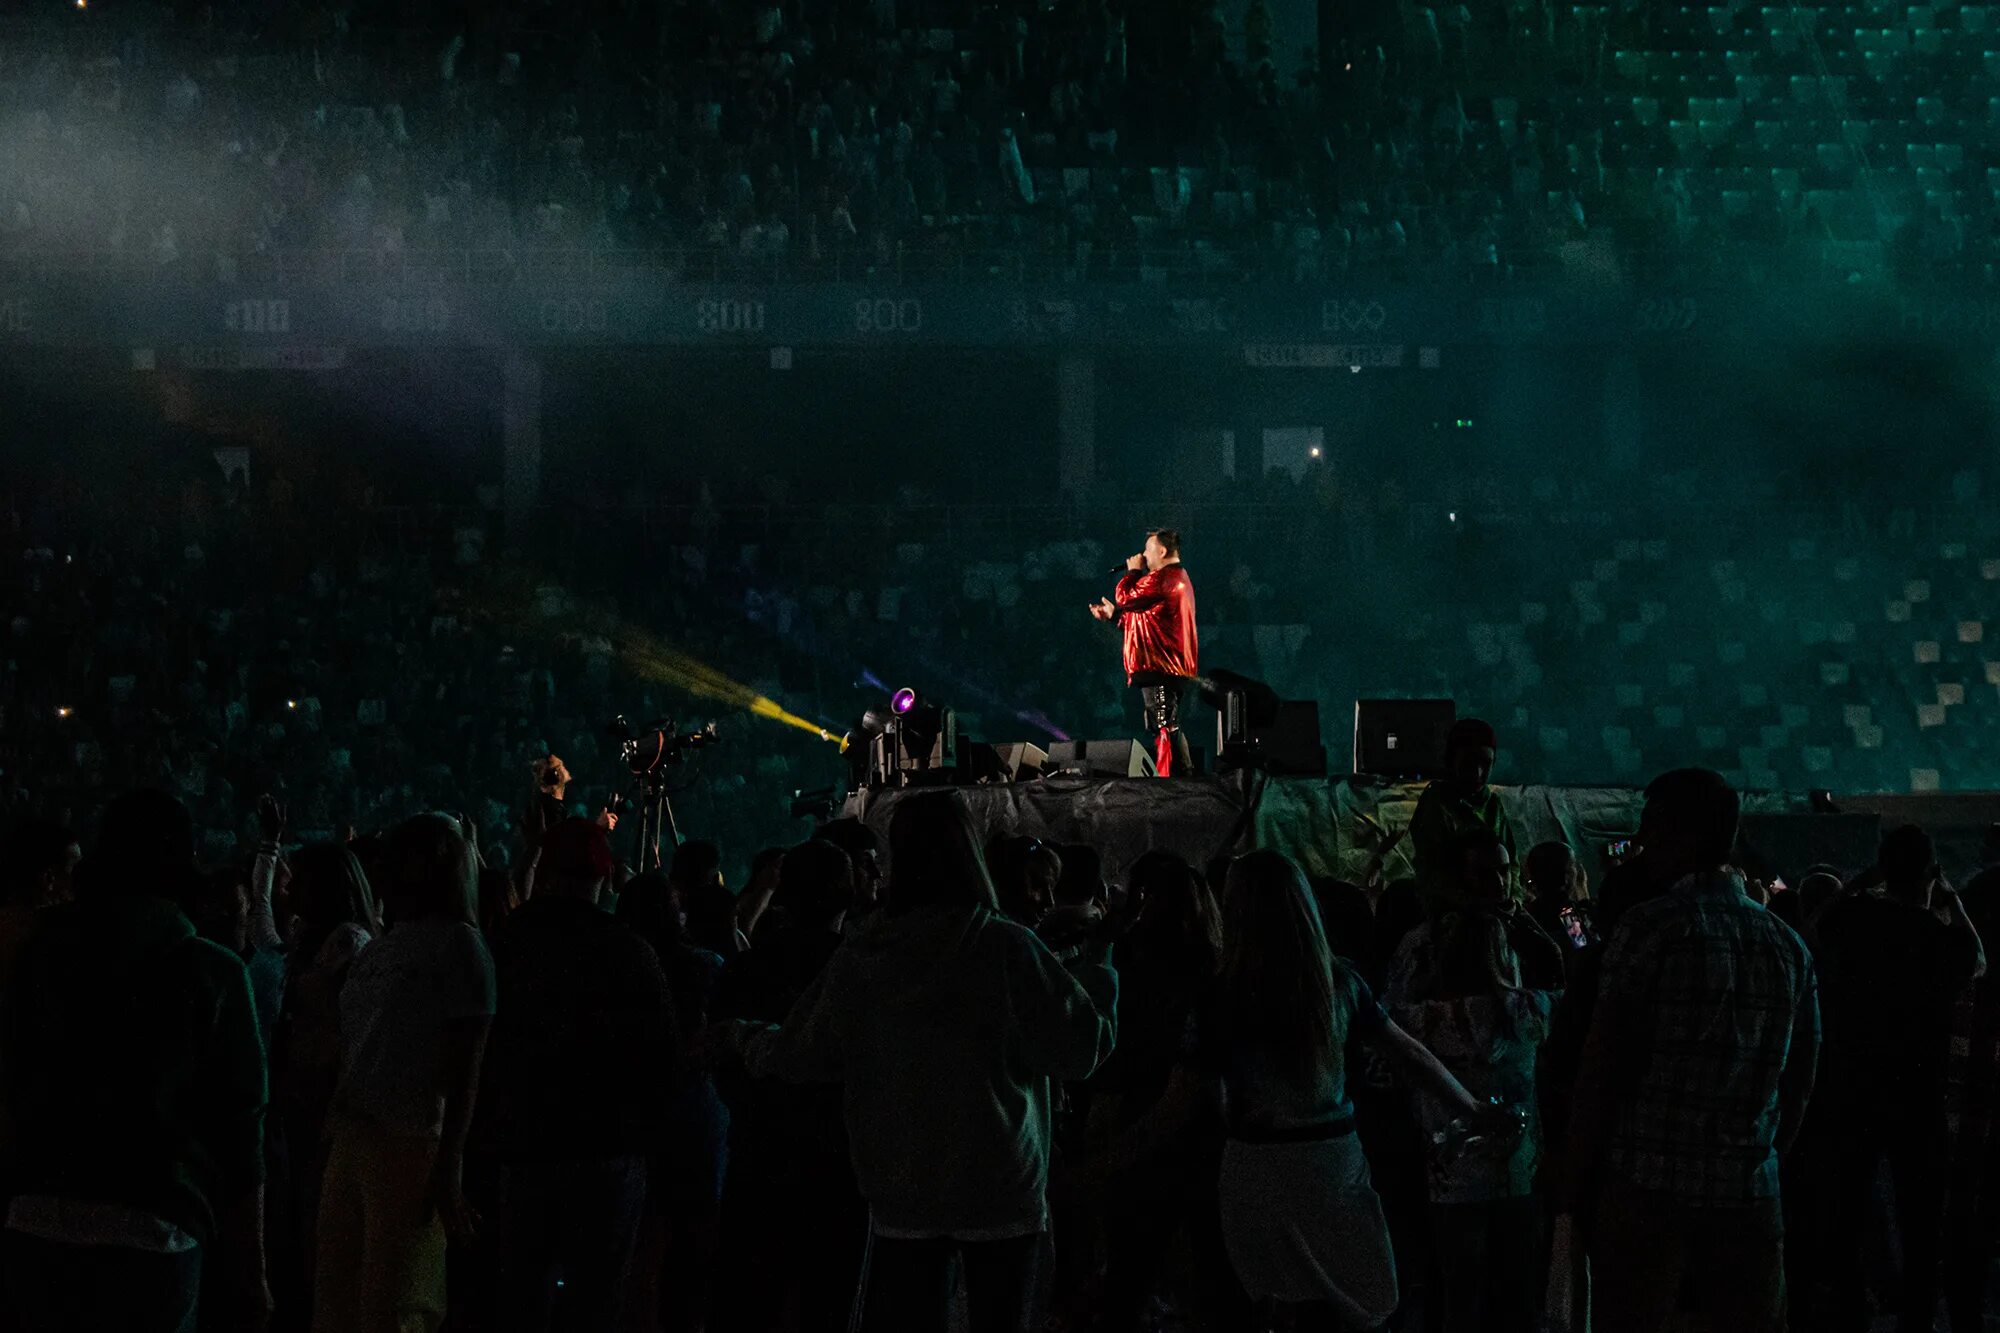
(329, 889)
(934, 856)
(1474, 956)
(1277, 971)
(431, 871)
(1179, 926)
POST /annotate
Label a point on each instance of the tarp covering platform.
(1334, 826)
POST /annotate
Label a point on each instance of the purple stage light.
(902, 701)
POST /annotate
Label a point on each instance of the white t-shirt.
(402, 992)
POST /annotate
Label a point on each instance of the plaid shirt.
(1719, 999)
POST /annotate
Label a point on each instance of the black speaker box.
(1290, 745)
(1402, 738)
(1103, 759)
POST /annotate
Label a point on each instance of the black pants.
(1147, 1209)
(910, 1284)
(1160, 701)
(1490, 1265)
(566, 1240)
(1909, 1131)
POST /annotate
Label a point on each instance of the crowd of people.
(941, 1079)
(832, 137)
(226, 639)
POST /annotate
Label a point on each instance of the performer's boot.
(1163, 751)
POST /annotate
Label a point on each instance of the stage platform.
(1333, 826)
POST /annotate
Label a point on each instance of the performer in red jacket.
(1155, 600)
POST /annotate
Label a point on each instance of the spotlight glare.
(902, 701)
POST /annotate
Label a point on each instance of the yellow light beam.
(512, 593)
(656, 662)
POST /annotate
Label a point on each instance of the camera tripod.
(656, 818)
(649, 754)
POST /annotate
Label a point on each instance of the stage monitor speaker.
(1103, 759)
(1283, 738)
(1402, 738)
(1022, 761)
(1001, 762)
(1290, 745)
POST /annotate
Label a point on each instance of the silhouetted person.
(1893, 965)
(579, 1068)
(1558, 893)
(947, 1024)
(1158, 1176)
(136, 1080)
(414, 1014)
(1025, 874)
(788, 1156)
(1695, 1077)
(1457, 800)
(1300, 1217)
(1472, 1009)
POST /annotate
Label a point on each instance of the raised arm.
(1971, 949)
(264, 874)
(1136, 590)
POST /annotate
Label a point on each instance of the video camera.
(647, 750)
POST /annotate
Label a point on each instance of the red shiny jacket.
(1157, 611)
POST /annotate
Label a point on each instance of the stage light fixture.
(903, 701)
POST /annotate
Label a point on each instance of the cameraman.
(545, 809)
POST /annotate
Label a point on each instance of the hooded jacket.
(132, 1063)
(946, 1025)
